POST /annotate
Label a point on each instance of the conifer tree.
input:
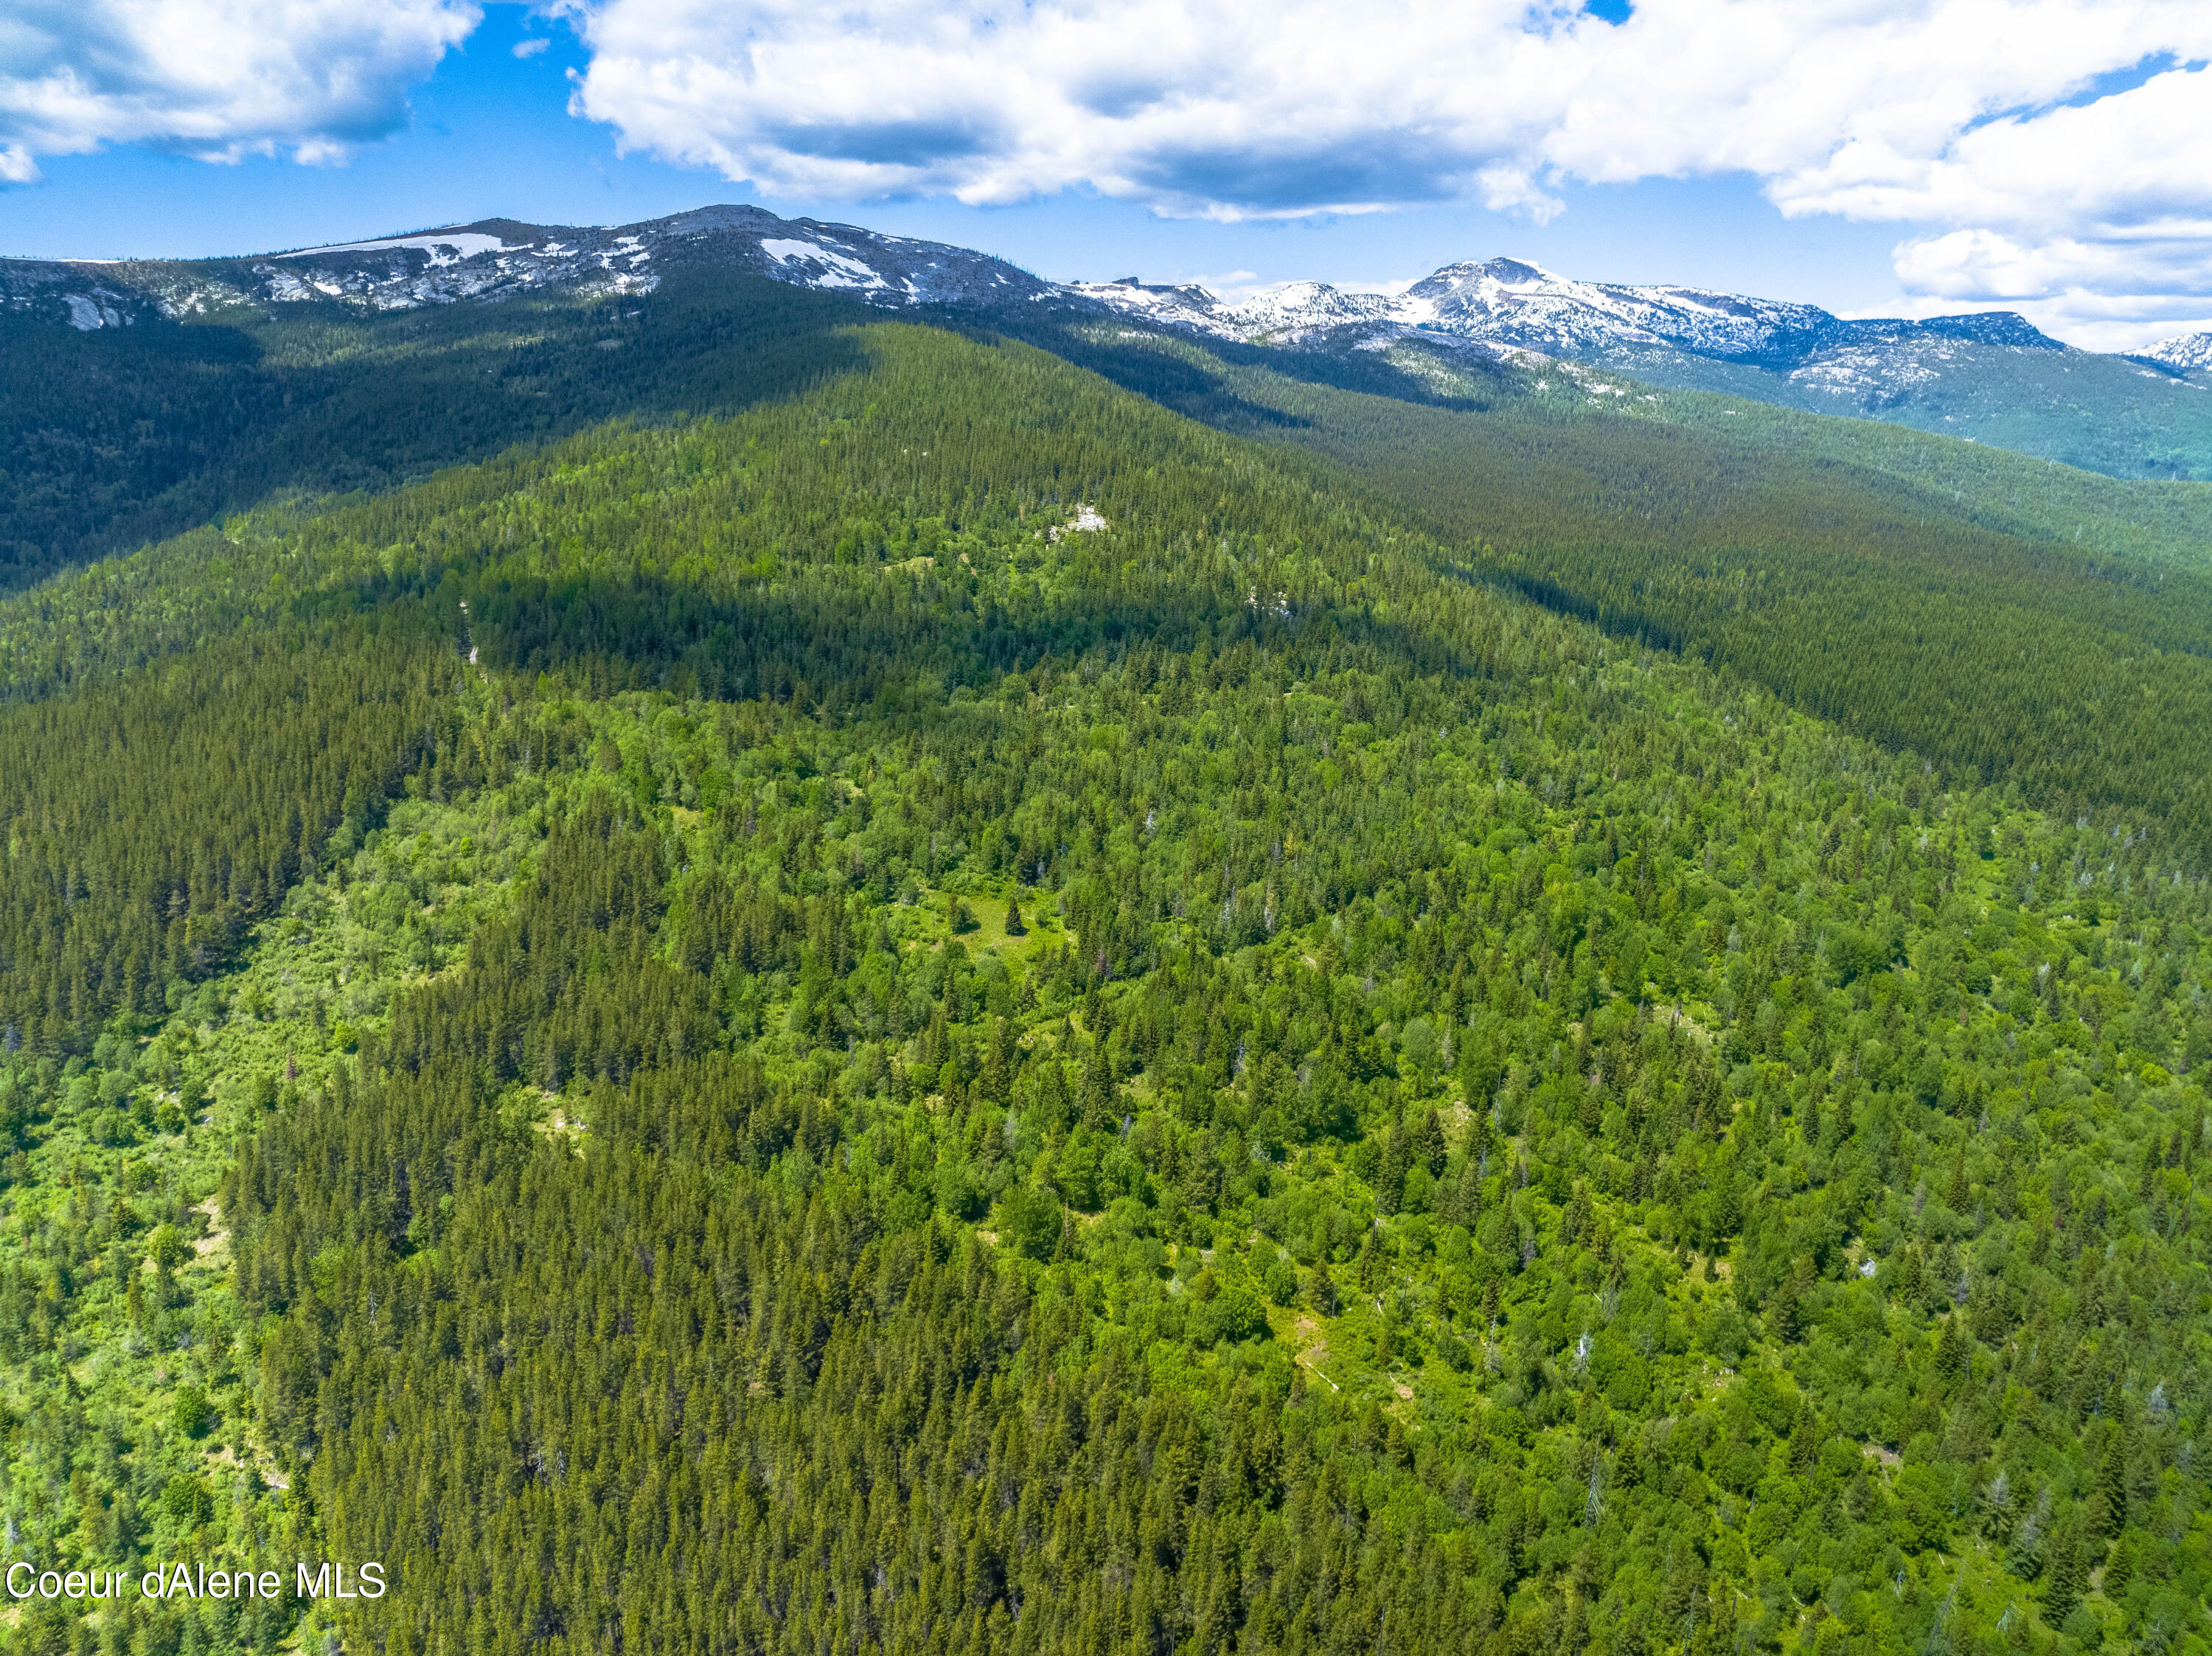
(2067, 1573)
(1463, 1203)
(1097, 1088)
(1320, 1291)
(997, 1079)
(1390, 1171)
(1954, 1355)
(1429, 1147)
(2108, 1502)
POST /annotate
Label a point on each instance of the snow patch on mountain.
(836, 270)
(2183, 351)
(1168, 306)
(1864, 370)
(499, 258)
(1511, 303)
(444, 247)
(1493, 311)
(1296, 308)
(1514, 310)
(87, 311)
(1514, 302)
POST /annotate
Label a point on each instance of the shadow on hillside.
(126, 436)
(1175, 372)
(835, 649)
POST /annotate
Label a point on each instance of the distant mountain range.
(2183, 351)
(1990, 376)
(497, 258)
(1505, 301)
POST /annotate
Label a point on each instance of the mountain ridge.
(2183, 351)
(1989, 376)
(1502, 301)
(1518, 304)
(448, 263)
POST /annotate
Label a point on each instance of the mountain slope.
(196, 369)
(963, 1013)
(1989, 377)
(1857, 564)
(145, 396)
(1869, 596)
(498, 259)
(2185, 351)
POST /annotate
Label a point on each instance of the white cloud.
(1231, 285)
(2045, 153)
(1953, 117)
(218, 79)
(532, 48)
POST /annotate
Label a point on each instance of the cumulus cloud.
(2047, 153)
(2031, 147)
(218, 79)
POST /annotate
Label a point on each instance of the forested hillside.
(126, 436)
(1855, 580)
(953, 1011)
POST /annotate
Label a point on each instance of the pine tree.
(2121, 1570)
(1681, 1595)
(1429, 1146)
(1912, 1279)
(1716, 1634)
(2108, 1502)
(2068, 1574)
(1787, 1310)
(1463, 1204)
(998, 1077)
(1804, 1441)
(1097, 1088)
(1320, 1291)
(1390, 1172)
(1575, 1223)
(2026, 1553)
(1953, 1353)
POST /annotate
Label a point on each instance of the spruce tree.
(1463, 1204)
(1429, 1146)
(997, 1079)
(2066, 1572)
(1097, 1088)
(2108, 1503)
(1953, 1354)
(1320, 1291)
(1390, 1171)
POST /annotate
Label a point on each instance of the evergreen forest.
(871, 986)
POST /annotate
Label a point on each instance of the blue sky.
(491, 135)
(1689, 141)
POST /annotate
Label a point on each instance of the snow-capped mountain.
(2183, 351)
(1508, 303)
(498, 258)
(1990, 376)
(1292, 313)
